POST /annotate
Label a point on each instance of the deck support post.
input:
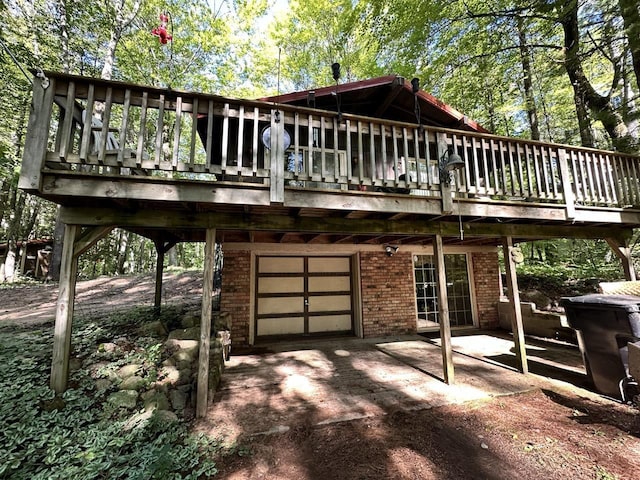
(64, 311)
(623, 252)
(443, 310)
(205, 325)
(514, 300)
(157, 299)
(161, 248)
(160, 251)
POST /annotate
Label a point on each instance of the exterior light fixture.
(449, 162)
(265, 136)
(335, 69)
(415, 85)
(390, 250)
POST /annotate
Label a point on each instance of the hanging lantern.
(161, 30)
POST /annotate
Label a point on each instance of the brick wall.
(388, 294)
(236, 293)
(486, 277)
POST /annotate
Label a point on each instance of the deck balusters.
(142, 130)
(335, 154)
(87, 126)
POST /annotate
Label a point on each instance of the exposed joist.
(331, 225)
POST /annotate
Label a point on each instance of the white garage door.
(303, 296)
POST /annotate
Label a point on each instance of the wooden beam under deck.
(191, 223)
(63, 187)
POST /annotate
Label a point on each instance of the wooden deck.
(155, 160)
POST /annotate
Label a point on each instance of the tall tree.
(584, 92)
(630, 12)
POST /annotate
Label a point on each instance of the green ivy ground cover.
(79, 435)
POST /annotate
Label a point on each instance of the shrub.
(77, 435)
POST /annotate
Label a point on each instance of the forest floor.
(544, 433)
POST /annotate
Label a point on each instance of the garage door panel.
(329, 303)
(330, 264)
(281, 285)
(281, 326)
(330, 323)
(275, 305)
(330, 284)
(281, 265)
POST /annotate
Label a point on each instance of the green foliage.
(567, 267)
(77, 435)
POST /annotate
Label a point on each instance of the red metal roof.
(388, 97)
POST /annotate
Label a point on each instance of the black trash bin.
(604, 325)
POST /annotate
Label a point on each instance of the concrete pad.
(325, 381)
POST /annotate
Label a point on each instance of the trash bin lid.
(628, 303)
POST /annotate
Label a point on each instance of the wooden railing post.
(277, 157)
(567, 188)
(36, 141)
(445, 183)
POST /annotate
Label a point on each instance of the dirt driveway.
(379, 410)
(369, 409)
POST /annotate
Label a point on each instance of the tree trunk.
(584, 94)
(121, 20)
(630, 11)
(13, 230)
(530, 101)
(5, 188)
(123, 251)
(63, 26)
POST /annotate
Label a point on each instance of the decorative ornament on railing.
(161, 30)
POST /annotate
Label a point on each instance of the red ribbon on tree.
(161, 30)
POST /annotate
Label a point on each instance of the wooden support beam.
(89, 237)
(332, 225)
(162, 247)
(64, 311)
(443, 312)
(157, 298)
(205, 325)
(514, 299)
(623, 252)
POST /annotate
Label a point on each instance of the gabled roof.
(390, 97)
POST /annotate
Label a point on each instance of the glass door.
(458, 291)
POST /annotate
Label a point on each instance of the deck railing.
(94, 126)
